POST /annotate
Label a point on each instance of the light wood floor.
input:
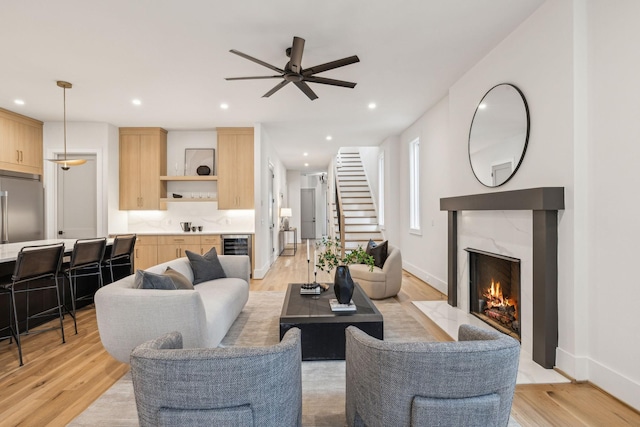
(59, 381)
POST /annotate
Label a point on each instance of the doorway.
(308, 213)
(77, 199)
(271, 207)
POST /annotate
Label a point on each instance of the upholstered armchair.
(466, 383)
(252, 386)
(382, 282)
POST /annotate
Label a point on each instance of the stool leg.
(111, 270)
(15, 319)
(73, 290)
(55, 278)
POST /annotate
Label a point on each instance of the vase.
(343, 284)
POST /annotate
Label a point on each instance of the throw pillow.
(378, 252)
(147, 280)
(178, 278)
(205, 267)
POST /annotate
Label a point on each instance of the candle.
(315, 261)
(307, 249)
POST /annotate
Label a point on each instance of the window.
(381, 189)
(414, 185)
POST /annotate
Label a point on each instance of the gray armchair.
(466, 383)
(252, 386)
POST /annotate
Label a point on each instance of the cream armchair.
(382, 282)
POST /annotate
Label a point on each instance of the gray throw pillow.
(147, 280)
(378, 252)
(205, 267)
(178, 278)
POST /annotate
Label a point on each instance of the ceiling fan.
(294, 73)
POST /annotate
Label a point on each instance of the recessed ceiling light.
(136, 102)
(306, 164)
(224, 106)
(372, 105)
(482, 106)
(19, 101)
(305, 154)
(329, 137)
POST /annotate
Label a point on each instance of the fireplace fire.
(494, 282)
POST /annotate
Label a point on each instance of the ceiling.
(173, 56)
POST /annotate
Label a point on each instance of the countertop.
(9, 251)
(187, 233)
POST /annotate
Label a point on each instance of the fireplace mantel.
(545, 203)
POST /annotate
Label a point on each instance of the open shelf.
(189, 178)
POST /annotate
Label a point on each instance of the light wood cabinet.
(235, 168)
(146, 252)
(174, 246)
(20, 143)
(143, 160)
(208, 242)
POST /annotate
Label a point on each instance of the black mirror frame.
(526, 139)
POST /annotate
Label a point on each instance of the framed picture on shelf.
(199, 161)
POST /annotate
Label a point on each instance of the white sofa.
(127, 317)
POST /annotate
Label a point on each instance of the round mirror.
(499, 134)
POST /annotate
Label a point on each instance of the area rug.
(323, 382)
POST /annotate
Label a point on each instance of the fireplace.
(494, 290)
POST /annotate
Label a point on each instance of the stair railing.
(339, 212)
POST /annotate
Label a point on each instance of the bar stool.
(34, 263)
(86, 260)
(121, 251)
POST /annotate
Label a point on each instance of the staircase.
(355, 202)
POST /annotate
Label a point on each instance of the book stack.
(336, 306)
(310, 289)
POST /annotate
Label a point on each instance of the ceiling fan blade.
(295, 63)
(252, 78)
(257, 61)
(331, 65)
(306, 89)
(276, 88)
(332, 82)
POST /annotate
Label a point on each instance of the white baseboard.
(587, 369)
(259, 273)
(615, 383)
(438, 284)
(574, 366)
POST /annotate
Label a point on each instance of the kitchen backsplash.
(205, 214)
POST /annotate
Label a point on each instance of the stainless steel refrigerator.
(21, 207)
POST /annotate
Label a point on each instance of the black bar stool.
(121, 252)
(86, 260)
(34, 263)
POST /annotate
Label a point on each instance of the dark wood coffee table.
(322, 329)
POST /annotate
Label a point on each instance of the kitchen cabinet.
(235, 168)
(143, 160)
(146, 252)
(20, 143)
(208, 242)
(174, 246)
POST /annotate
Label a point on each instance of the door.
(500, 173)
(308, 213)
(271, 207)
(77, 200)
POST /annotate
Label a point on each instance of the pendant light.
(66, 163)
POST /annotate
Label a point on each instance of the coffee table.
(323, 329)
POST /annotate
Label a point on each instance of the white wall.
(613, 228)
(392, 185)
(265, 157)
(293, 199)
(100, 139)
(575, 62)
(425, 254)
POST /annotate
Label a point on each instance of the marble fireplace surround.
(544, 203)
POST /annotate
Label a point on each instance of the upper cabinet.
(20, 143)
(143, 160)
(235, 168)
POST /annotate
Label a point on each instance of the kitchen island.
(46, 299)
